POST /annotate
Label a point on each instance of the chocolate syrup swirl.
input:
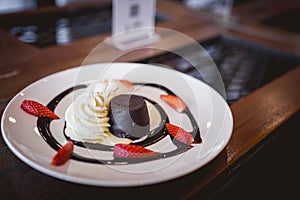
(155, 135)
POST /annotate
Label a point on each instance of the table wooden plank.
(52, 60)
(255, 117)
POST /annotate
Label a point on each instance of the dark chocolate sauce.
(154, 136)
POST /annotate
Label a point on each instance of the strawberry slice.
(127, 83)
(63, 154)
(180, 134)
(132, 151)
(37, 109)
(174, 101)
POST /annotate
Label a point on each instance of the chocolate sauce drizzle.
(155, 135)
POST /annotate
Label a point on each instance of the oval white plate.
(208, 108)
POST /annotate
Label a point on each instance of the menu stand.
(133, 24)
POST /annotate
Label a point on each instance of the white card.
(131, 14)
(133, 23)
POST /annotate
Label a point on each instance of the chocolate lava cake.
(129, 117)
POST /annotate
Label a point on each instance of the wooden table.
(257, 117)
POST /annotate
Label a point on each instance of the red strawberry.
(180, 134)
(37, 109)
(174, 101)
(132, 151)
(63, 154)
(127, 83)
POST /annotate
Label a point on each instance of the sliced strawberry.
(174, 101)
(63, 154)
(180, 134)
(37, 109)
(132, 151)
(127, 83)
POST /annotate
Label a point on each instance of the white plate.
(209, 109)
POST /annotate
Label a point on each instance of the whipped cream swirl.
(87, 117)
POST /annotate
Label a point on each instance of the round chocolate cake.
(129, 117)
